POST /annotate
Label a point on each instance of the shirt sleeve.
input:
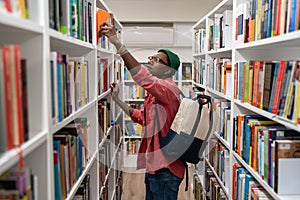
(162, 89)
(137, 116)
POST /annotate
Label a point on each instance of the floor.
(134, 188)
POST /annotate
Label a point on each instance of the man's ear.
(168, 71)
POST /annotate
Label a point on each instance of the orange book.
(18, 79)
(255, 82)
(254, 144)
(251, 30)
(240, 120)
(260, 88)
(101, 16)
(8, 97)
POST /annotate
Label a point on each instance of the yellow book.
(296, 117)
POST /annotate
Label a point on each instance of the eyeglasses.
(156, 59)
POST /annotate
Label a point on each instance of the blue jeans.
(162, 186)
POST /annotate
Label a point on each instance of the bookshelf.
(234, 46)
(65, 89)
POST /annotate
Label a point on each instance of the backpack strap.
(184, 163)
(186, 177)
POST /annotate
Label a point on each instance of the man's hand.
(109, 30)
(114, 90)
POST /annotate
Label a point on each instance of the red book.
(7, 86)
(278, 87)
(234, 180)
(18, 78)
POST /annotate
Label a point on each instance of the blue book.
(59, 90)
(293, 16)
(248, 178)
(57, 181)
(240, 79)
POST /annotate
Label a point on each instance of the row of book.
(222, 118)
(198, 189)
(133, 129)
(263, 144)
(212, 186)
(18, 8)
(199, 71)
(14, 116)
(72, 17)
(104, 117)
(186, 71)
(134, 92)
(270, 85)
(104, 195)
(219, 160)
(83, 191)
(71, 154)
(131, 146)
(258, 19)
(219, 75)
(200, 41)
(107, 73)
(109, 160)
(220, 31)
(245, 186)
(18, 185)
(69, 78)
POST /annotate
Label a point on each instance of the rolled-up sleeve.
(137, 116)
(161, 89)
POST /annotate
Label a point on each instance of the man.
(163, 175)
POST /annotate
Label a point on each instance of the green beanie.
(173, 59)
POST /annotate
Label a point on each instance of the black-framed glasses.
(156, 59)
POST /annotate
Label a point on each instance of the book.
(269, 73)
(285, 149)
(3, 138)
(101, 17)
(8, 97)
(25, 99)
(54, 87)
(57, 181)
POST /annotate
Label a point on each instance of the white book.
(79, 66)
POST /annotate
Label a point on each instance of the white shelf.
(36, 41)
(104, 95)
(219, 94)
(256, 176)
(82, 176)
(72, 117)
(286, 122)
(65, 43)
(10, 24)
(224, 142)
(10, 158)
(282, 41)
(282, 47)
(218, 179)
(134, 100)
